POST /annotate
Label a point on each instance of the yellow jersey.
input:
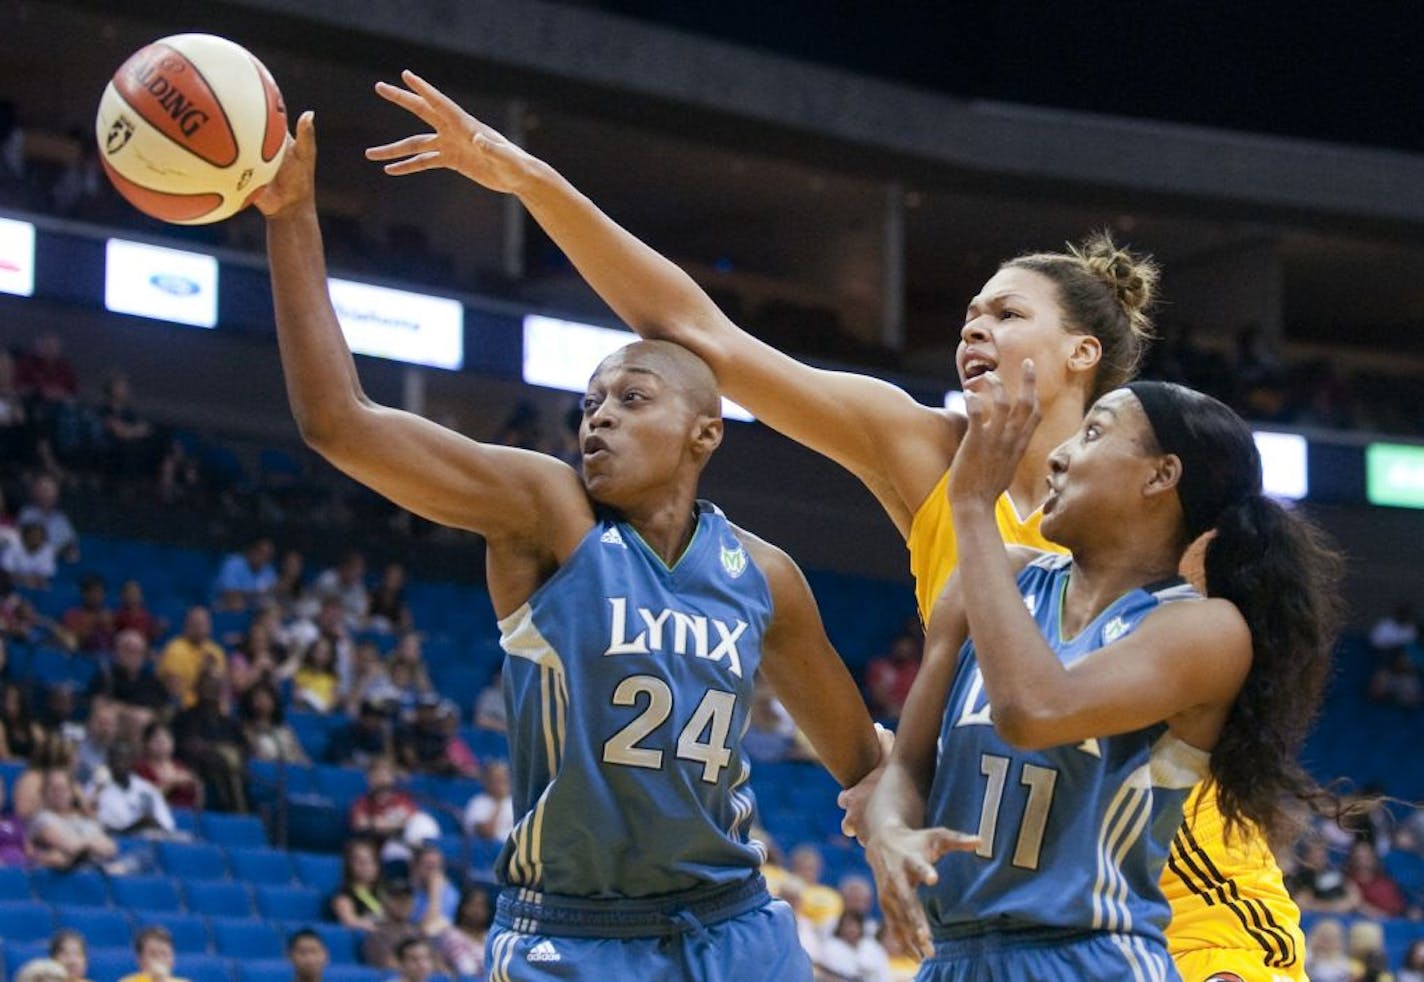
(1223, 896)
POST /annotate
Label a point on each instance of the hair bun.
(1133, 277)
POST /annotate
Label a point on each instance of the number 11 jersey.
(628, 686)
(1071, 836)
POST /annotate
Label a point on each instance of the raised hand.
(997, 436)
(460, 142)
(295, 183)
(902, 859)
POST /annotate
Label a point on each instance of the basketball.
(190, 128)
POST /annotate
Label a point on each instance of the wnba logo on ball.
(119, 134)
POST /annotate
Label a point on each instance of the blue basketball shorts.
(690, 944)
(1049, 955)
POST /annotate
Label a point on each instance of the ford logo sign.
(172, 283)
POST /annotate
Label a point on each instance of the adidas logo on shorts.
(544, 951)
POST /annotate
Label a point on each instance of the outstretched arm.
(505, 494)
(896, 446)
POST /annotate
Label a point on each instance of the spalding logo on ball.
(190, 128)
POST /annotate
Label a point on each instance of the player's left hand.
(995, 439)
(901, 859)
(854, 798)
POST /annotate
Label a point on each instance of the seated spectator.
(1399, 629)
(858, 896)
(888, 678)
(308, 955)
(1397, 682)
(268, 735)
(1380, 896)
(14, 840)
(92, 622)
(393, 927)
(415, 960)
(210, 741)
(406, 668)
(316, 684)
(134, 615)
(44, 508)
(246, 578)
(260, 657)
(489, 815)
(789, 887)
(41, 970)
(63, 837)
(462, 946)
(1317, 886)
(357, 902)
(58, 711)
(460, 759)
(1412, 970)
(330, 626)
(383, 810)
(127, 804)
(32, 562)
(290, 585)
(365, 738)
(851, 953)
(67, 947)
(820, 903)
(435, 896)
(369, 681)
(20, 733)
(154, 946)
(130, 681)
(490, 712)
(16, 435)
(179, 785)
(386, 609)
(128, 443)
(904, 966)
(101, 730)
(346, 583)
(54, 753)
(1366, 949)
(421, 743)
(190, 655)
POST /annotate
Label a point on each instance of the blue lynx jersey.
(628, 686)
(1072, 836)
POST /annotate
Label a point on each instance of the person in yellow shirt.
(186, 656)
(154, 946)
(1081, 316)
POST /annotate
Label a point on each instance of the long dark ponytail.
(1282, 574)
(1284, 578)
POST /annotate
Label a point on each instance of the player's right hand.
(295, 183)
(902, 859)
(460, 142)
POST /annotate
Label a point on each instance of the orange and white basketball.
(190, 128)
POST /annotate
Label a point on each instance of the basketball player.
(1114, 686)
(1080, 316)
(634, 617)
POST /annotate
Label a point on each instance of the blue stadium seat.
(204, 968)
(186, 820)
(146, 893)
(264, 970)
(315, 824)
(490, 744)
(18, 953)
(190, 932)
(111, 964)
(21, 919)
(245, 938)
(218, 898)
(313, 731)
(260, 865)
(82, 887)
(355, 973)
(289, 903)
(192, 860)
(10, 770)
(268, 778)
(102, 927)
(230, 623)
(14, 884)
(342, 943)
(319, 871)
(341, 784)
(233, 830)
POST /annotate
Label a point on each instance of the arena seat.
(342, 943)
(204, 968)
(218, 898)
(263, 865)
(320, 871)
(232, 830)
(263, 970)
(190, 931)
(104, 927)
(289, 903)
(111, 964)
(17, 953)
(355, 973)
(14, 884)
(83, 887)
(342, 785)
(146, 893)
(245, 938)
(192, 860)
(25, 919)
